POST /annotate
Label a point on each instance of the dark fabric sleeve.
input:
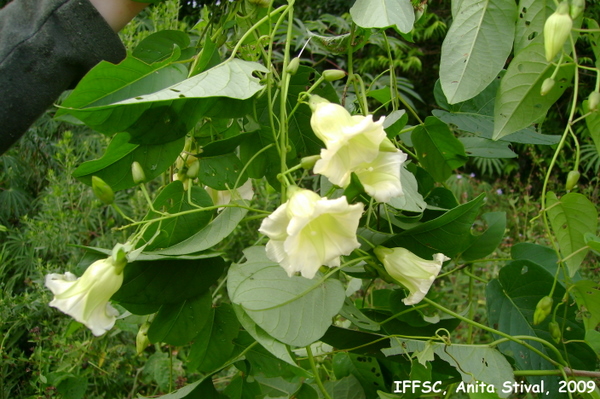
(46, 46)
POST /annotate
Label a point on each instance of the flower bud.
(593, 101)
(554, 331)
(102, 191)
(333, 74)
(547, 86)
(141, 339)
(137, 172)
(556, 30)
(542, 310)
(292, 67)
(577, 7)
(572, 179)
(309, 162)
(193, 170)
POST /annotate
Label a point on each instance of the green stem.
(313, 366)
(494, 331)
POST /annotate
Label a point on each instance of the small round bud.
(542, 310)
(593, 101)
(137, 172)
(102, 191)
(572, 179)
(292, 67)
(547, 86)
(556, 30)
(333, 74)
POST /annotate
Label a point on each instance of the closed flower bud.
(333, 74)
(554, 331)
(556, 30)
(572, 179)
(542, 310)
(292, 67)
(141, 339)
(102, 191)
(193, 170)
(547, 86)
(137, 172)
(593, 101)
(577, 7)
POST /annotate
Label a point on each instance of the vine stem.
(313, 366)
(568, 371)
(497, 332)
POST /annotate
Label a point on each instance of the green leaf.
(449, 234)
(209, 236)
(439, 152)
(295, 310)
(395, 122)
(154, 108)
(592, 122)
(276, 348)
(161, 368)
(519, 102)
(350, 312)
(476, 47)
(115, 165)
(366, 369)
(384, 13)
(174, 199)
(213, 346)
(485, 148)
(473, 362)
(587, 296)
(347, 388)
(202, 388)
(159, 45)
(179, 323)
(571, 218)
(222, 172)
(166, 281)
(483, 126)
(531, 20)
(486, 243)
(511, 301)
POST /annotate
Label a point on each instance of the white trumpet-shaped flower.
(410, 270)
(349, 140)
(381, 177)
(86, 298)
(308, 232)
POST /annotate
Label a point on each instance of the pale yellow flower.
(308, 232)
(413, 272)
(381, 177)
(86, 298)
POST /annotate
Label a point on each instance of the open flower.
(308, 232)
(413, 272)
(349, 140)
(381, 177)
(86, 298)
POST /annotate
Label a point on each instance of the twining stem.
(500, 333)
(313, 366)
